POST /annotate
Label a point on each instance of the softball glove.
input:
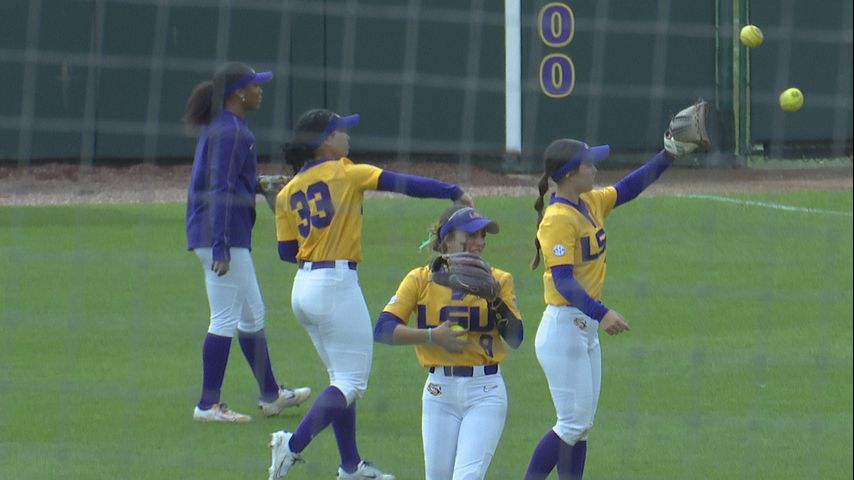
(271, 184)
(687, 131)
(467, 272)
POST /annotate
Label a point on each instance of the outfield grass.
(738, 365)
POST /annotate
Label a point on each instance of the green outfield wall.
(103, 81)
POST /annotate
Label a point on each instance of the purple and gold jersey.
(321, 208)
(434, 304)
(573, 234)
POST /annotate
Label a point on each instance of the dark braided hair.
(556, 155)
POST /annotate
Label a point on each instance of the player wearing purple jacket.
(220, 217)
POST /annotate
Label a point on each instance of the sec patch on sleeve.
(559, 250)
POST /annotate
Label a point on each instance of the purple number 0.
(557, 75)
(557, 25)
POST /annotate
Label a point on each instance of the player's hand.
(449, 339)
(613, 323)
(465, 199)
(220, 267)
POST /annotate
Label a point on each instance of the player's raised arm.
(630, 186)
(686, 133)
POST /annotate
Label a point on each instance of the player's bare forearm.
(441, 335)
(404, 335)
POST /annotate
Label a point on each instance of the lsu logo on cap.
(434, 389)
(559, 250)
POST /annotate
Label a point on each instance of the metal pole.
(512, 77)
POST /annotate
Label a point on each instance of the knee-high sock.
(326, 407)
(254, 346)
(570, 464)
(345, 435)
(545, 456)
(214, 359)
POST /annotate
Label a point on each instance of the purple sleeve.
(514, 332)
(288, 251)
(636, 182)
(415, 186)
(226, 162)
(384, 329)
(571, 290)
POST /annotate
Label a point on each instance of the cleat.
(366, 471)
(219, 413)
(288, 397)
(282, 456)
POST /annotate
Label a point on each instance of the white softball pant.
(329, 303)
(461, 422)
(234, 298)
(567, 347)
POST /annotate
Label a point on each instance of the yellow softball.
(459, 328)
(751, 36)
(791, 99)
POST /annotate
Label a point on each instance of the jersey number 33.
(315, 198)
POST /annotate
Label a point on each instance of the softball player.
(571, 236)
(319, 225)
(464, 403)
(220, 216)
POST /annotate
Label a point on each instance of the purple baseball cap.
(249, 77)
(468, 220)
(585, 153)
(338, 122)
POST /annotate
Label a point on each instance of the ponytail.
(208, 97)
(543, 187)
(556, 155)
(199, 109)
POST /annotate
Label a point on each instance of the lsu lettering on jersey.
(574, 234)
(321, 208)
(434, 304)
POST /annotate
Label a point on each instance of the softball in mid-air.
(751, 36)
(459, 328)
(791, 99)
